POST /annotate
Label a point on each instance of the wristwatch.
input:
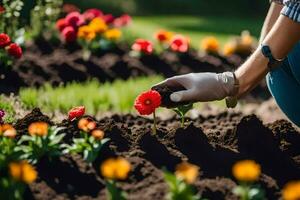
(273, 62)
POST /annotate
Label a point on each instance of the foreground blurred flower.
(2, 9)
(115, 168)
(22, 171)
(38, 129)
(69, 34)
(163, 36)
(246, 171)
(109, 18)
(210, 45)
(76, 112)
(179, 43)
(86, 32)
(86, 125)
(187, 172)
(229, 48)
(123, 20)
(291, 191)
(92, 13)
(98, 25)
(113, 34)
(74, 19)
(143, 46)
(8, 130)
(14, 50)
(61, 24)
(147, 102)
(4, 40)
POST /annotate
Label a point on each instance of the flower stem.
(182, 121)
(154, 123)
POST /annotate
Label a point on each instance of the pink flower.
(109, 18)
(74, 19)
(69, 34)
(92, 13)
(143, 46)
(123, 20)
(61, 24)
(14, 50)
(179, 43)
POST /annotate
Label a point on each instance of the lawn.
(196, 27)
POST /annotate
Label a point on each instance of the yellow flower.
(115, 168)
(291, 191)
(38, 128)
(8, 130)
(163, 36)
(246, 170)
(229, 48)
(86, 32)
(113, 34)
(98, 134)
(210, 44)
(188, 172)
(22, 171)
(98, 25)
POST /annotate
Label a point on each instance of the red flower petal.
(143, 46)
(147, 102)
(4, 40)
(14, 50)
(76, 112)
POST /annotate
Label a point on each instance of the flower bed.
(214, 143)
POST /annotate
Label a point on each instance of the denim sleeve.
(292, 11)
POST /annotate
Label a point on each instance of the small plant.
(8, 50)
(180, 184)
(182, 110)
(291, 191)
(210, 45)
(247, 172)
(14, 179)
(146, 104)
(141, 47)
(114, 169)
(41, 141)
(90, 142)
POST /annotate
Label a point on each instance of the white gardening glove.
(201, 86)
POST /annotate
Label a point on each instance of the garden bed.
(214, 143)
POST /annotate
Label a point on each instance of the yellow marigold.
(246, 38)
(8, 130)
(98, 25)
(38, 128)
(22, 171)
(246, 170)
(86, 124)
(291, 191)
(188, 172)
(86, 32)
(115, 168)
(98, 134)
(229, 48)
(210, 44)
(163, 35)
(113, 34)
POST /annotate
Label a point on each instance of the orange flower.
(22, 171)
(188, 172)
(291, 191)
(86, 32)
(38, 128)
(113, 34)
(210, 45)
(86, 125)
(8, 130)
(98, 25)
(246, 38)
(246, 170)
(229, 48)
(98, 134)
(115, 168)
(163, 36)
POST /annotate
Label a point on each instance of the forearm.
(281, 39)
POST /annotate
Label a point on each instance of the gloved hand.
(201, 86)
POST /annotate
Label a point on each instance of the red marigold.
(92, 13)
(123, 20)
(69, 34)
(76, 112)
(61, 24)
(4, 40)
(142, 45)
(74, 19)
(179, 43)
(14, 50)
(147, 102)
(109, 18)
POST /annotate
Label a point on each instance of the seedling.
(182, 110)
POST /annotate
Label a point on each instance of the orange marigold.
(98, 134)
(246, 170)
(115, 168)
(98, 25)
(163, 36)
(8, 130)
(22, 171)
(113, 34)
(291, 191)
(38, 128)
(188, 172)
(210, 45)
(86, 32)
(86, 124)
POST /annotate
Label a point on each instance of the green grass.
(8, 107)
(117, 96)
(196, 27)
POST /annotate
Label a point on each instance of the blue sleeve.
(292, 11)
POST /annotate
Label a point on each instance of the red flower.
(2, 9)
(147, 102)
(4, 40)
(74, 19)
(61, 24)
(142, 45)
(76, 112)
(179, 43)
(14, 50)
(69, 34)
(90, 14)
(109, 18)
(123, 20)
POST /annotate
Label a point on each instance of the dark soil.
(57, 64)
(214, 143)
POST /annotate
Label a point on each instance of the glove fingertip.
(176, 96)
